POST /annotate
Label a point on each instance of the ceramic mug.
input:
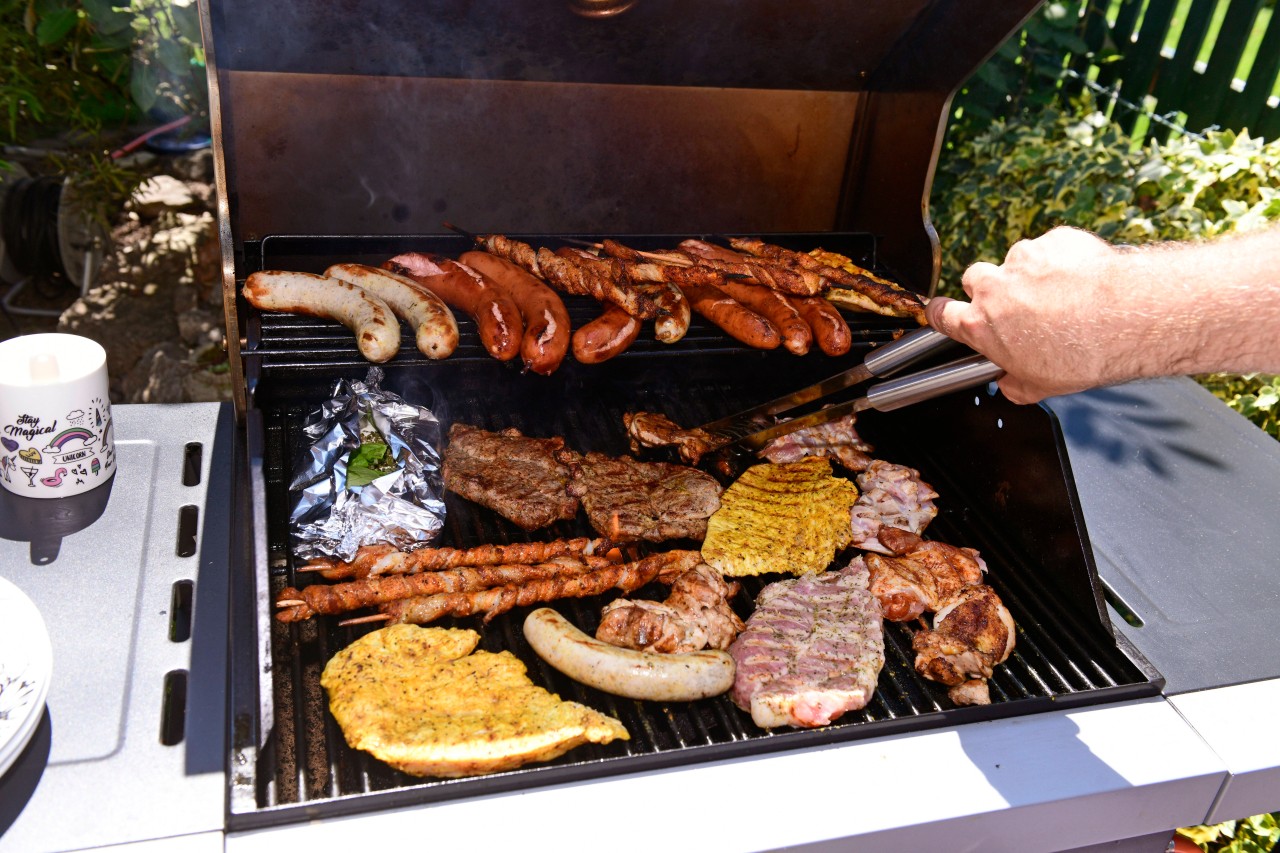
(56, 437)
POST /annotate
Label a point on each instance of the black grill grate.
(1065, 654)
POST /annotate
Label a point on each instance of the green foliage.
(1258, 834)
(78, 71)
(1024, 73)
(1023, 176)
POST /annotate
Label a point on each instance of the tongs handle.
(934, 382)
(905, 351)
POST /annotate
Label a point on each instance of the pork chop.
(812, 650)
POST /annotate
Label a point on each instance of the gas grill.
(528, 119)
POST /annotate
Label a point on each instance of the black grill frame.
(1001, 470)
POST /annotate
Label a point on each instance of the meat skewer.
(323, 599)
(869, 291)
(375, 560)
(794, 280)
(626, 577)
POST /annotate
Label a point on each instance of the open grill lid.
(749, 116)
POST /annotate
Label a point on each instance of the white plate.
(26, 664)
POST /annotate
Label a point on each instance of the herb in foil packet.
(370, 474)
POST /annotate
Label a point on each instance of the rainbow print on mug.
(56, 436)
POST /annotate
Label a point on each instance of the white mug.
(56, 436)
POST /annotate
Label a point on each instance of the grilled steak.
(525, 480)
(628, 500)
(811, 651)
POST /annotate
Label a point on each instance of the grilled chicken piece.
(650, 429)
(892, 496)
(836, 440)
(972, 633)
(695, 616)
(921, 576)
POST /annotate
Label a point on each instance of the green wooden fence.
(1200, 63)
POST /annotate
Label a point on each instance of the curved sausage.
(496, 316)
(738, 321)
(769, 303)
(436, 330)
(625, 672)
(375, 325)
(546, 322)
(830, 331)
(606, 336)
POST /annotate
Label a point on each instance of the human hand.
(1039, 315)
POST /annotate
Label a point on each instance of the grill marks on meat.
(791, 517)
(836, 440)
(892, 496)
(695, 616)
(812, 650)
(629, 500)
(525, 480)
(922, 576)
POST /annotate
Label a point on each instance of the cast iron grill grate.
(1065, 655)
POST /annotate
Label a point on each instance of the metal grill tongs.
(745, 428)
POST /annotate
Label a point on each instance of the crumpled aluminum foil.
(404, 507)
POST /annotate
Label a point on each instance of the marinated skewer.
(862, 289)
(323, 599)
(626, 577)
(375, 560)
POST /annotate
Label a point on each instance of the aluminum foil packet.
(371, 474)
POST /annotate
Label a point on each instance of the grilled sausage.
(435, 329)
(737, 320)
(773, 305)
(546, 322)
(606, 336)
(625, 672)
(830, 331)
(496, 316)
(375, 325)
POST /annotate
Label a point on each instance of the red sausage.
(738, 321)
(546, 322)
(769, 303)
(830, 331)
(606, 336)
(497, 317)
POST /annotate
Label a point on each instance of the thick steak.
(520, 478)
(628, 500)
(811, 651)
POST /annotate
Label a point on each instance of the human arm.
(1068, 311)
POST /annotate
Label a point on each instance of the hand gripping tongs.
(745, 428)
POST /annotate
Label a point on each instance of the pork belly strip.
(629, 500)
(522, 479)
(836, 440)
(324, 599)
(812, 650)
(626, 577)
(377, 560)
(892, 496)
